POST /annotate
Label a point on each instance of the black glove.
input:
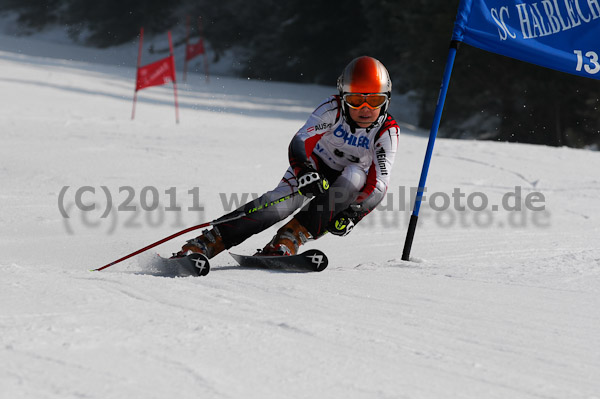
(311, 183)
(341, 226)
(344, 222)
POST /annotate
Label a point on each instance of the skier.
(340, 166)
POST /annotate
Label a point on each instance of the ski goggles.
(373, 101)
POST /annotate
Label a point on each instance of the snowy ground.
(495, 304)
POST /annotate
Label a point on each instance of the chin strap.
(349, 121)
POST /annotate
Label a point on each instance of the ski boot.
(210, 243)
(287, 240)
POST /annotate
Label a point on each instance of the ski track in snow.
(508, 310)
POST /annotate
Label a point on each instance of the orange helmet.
(365, 75)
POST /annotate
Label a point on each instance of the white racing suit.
(356, 161)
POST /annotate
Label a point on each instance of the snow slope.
(494, 304)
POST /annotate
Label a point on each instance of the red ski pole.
(139, 251)
(214, 222)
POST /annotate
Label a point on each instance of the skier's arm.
(305, 140)
(374, 189)
(378, 177)
(376, 186)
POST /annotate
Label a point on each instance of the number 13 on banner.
(593, 58)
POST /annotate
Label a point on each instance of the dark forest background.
(490, 97)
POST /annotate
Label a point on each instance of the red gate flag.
(193, 50)
(156, 74)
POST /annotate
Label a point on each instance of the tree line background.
(490, 96)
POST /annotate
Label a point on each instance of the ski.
(196, 264)
(312, 260)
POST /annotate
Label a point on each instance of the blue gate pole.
(412, 226)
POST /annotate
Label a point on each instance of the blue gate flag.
(557, 34)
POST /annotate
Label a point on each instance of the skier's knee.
(355, 177)
(347, 186)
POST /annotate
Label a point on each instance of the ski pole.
(213, 223)
(139, 251)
